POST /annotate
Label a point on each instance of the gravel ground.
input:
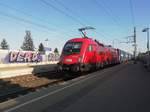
(7, 85)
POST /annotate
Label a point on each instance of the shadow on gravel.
(8, 89)
(55, 75)
(64, 76)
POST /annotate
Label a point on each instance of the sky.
(59, 20)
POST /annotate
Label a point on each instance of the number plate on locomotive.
(68, 60)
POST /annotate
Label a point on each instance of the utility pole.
(135, 45)
(133, 37)
(148, 40)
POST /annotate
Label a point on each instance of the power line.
(29, 15)
(15, 9)
(69, 10)
(69, 16)
(62, 12)
(108, 12)
(23, 20)
(76, 15)
(22, 12)
(29, 22)
(116, 18)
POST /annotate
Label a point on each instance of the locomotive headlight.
(80, 59)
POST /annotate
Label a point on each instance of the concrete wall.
(15, 63)
(12, 70)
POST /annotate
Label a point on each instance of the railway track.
(17, 86)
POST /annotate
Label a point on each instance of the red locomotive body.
(82, 54)
(112, 55)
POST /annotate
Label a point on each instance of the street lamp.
(46, 47)
(147, 30)
(147, 57)
(46, 42)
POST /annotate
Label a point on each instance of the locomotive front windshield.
(72, 48)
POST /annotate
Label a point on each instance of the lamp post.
(46, 47)
(147, 56)
(46, 42)
(147, 30)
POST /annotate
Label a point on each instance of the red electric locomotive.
(82, 54)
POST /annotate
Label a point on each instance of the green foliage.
(28, 42)
(41, 48)
(4, 45)
(56, 51)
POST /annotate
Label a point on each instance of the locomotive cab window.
(72, 47)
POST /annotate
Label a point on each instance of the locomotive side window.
(101, 50)
(90, 48)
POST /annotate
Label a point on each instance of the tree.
(28, 42)
(4, 44)
(56, 51)
(41, 48)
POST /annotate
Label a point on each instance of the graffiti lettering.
(24, 57)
